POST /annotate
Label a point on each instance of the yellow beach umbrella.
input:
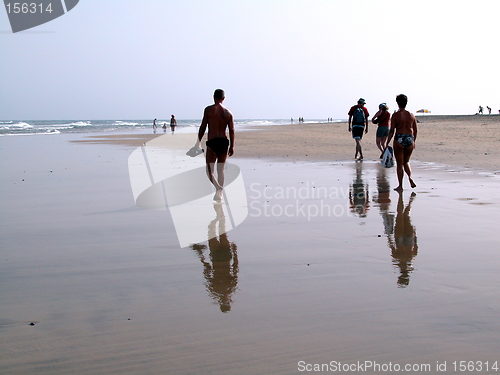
(423, 111)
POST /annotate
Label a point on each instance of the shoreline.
(456, 141)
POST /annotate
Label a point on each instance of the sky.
(275, 59)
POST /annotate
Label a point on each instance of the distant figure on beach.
(218, 118)
(404, 130)
(357, 123)
(291, 120)
(480, 111)
(173, 123)
(164, 127)
(154, 124)
(382, 118)
(489, 110)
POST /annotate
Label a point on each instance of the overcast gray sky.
(130, 59)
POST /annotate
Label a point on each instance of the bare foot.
(412, 183)
(399, 188)
(218, 195)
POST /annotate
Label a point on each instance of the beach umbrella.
(423, 111)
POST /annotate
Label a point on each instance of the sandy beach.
(329, 268)
(468, 141)
(464, 141)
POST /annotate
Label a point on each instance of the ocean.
(30, 127)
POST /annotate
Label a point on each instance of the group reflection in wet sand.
(400, 232)
(221, 268)
(398, 228)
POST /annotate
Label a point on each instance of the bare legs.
(216, 162)
(358, 149)
(380, 144)
(402, 156)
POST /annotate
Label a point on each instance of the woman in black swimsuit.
(404, 126)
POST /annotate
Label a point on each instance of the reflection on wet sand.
(403, 242)
(359, 201)
(400, 232)
(221, 271)
(383, 200)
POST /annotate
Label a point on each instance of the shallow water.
(331, 264)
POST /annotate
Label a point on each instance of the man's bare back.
(218, 118)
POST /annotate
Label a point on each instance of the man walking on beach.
(358, 117)
(217, 118)
(404, 125)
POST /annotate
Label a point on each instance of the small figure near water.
(173, 123)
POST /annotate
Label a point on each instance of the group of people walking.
(402, 126)
(480, 110)
(173, 124)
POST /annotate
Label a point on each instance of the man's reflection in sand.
(403, 242)
(221, 271)
(359, 201)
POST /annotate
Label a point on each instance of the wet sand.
(330, 265)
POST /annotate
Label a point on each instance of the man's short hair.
(402, 100)
(219, 94)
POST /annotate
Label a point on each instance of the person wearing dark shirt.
(382, 118)
(357, 124)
